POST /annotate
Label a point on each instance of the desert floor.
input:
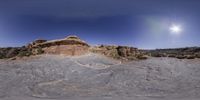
(95, 77)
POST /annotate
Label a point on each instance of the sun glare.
(176, 29)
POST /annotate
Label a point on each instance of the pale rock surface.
(96, 77)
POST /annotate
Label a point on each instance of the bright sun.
(176, 29)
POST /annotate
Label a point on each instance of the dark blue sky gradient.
(138, 23)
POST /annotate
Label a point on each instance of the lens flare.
(176, 29)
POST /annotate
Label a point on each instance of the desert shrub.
(197, 55)
(2, 56)
(114, 55)
(8, 52)
(24, 53)
(40, 51)
(12, 52)
(37, 51)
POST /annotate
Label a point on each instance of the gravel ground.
(95, 77)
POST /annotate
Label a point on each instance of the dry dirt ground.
(95, 77)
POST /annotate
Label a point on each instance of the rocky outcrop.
(36, 42)
(71, 45)
(119, 52)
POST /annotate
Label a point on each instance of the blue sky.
(137, 23)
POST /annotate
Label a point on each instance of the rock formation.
(118, 52)
(71, 46)
(74, 46)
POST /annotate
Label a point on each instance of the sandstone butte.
(71, 45)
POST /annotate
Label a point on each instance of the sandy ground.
(95, 77)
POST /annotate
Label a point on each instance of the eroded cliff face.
(70, 46)
(70, 50)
